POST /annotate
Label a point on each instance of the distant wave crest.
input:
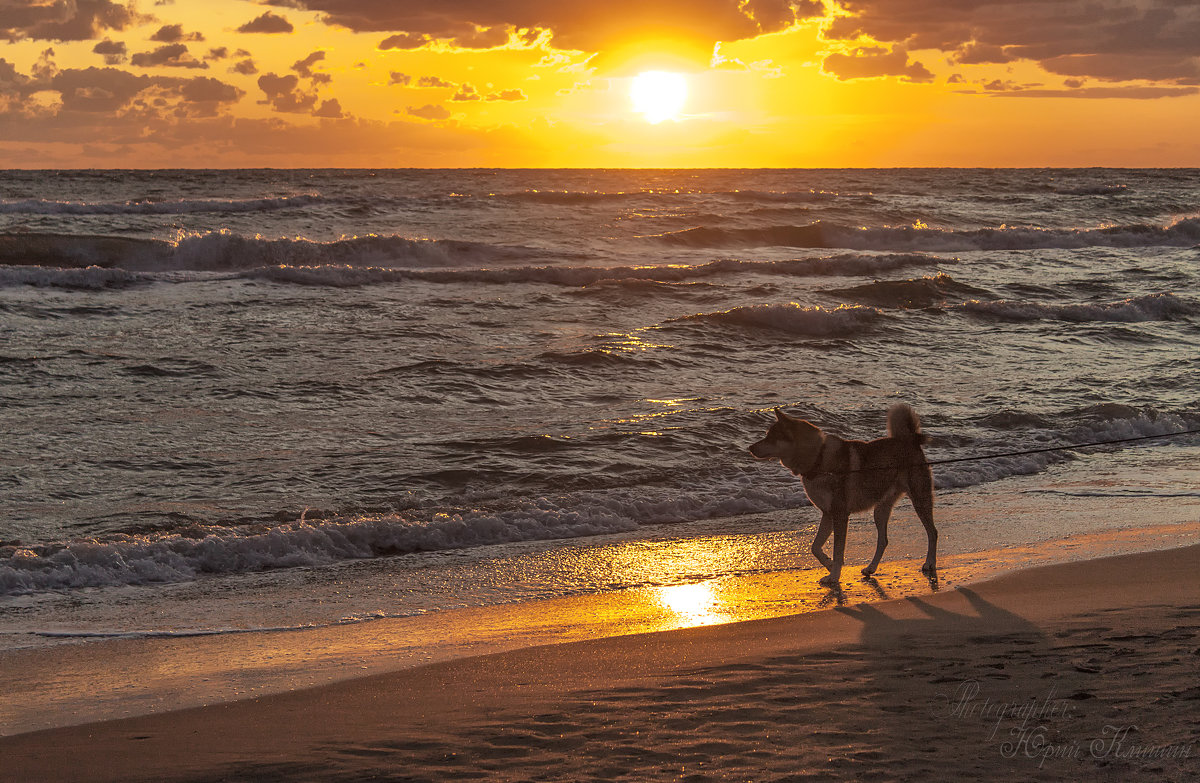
(1152, 307)
(920, 238)
(150, 207)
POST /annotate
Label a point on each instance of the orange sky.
(533, 83)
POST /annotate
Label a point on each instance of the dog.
(842, 477)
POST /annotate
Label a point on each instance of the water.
(310, 383)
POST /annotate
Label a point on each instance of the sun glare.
(659, 95)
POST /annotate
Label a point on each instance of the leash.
(1069, 447)
(1024, 452)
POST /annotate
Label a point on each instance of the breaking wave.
(223, 251)
(147, 559)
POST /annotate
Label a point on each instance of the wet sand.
(1061, 672)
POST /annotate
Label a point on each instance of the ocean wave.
(1152, 307)
(224, 251)
(136, 560)
(1181, 233)
(922, 292)
(150, 207)
(1092, 190)
(584, 197)
(842, 321)
(579, 276)
(91, 278)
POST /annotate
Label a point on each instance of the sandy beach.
(1061, 672)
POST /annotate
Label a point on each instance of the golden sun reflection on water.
(694, 604)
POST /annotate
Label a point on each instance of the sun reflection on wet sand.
(693, 605)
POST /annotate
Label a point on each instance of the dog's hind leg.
(883, 512)
(920, 489)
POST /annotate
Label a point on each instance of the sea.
(287, 399)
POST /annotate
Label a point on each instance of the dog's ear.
(781, 416)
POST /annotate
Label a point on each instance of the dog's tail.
(903, 423)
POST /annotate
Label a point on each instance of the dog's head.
(788, 438)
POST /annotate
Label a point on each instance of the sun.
(659, 95)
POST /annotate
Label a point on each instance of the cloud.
(267, 23)
(404, 41)
(507, 95)
(466, 92)
(304, 67)
(330, 109)
(63, 20)
(1111, 40)
(587, 26)
(112, 51)
(167, 56)
(108, 90)
(244, 67)
(433, 81)
(173, 33)
(284, 93)
(429, 112)
(402, 79)
(873, 62)
(1133, 92)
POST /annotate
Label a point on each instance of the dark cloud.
(1134, 92)
(507, 95)
(173, 33)
(588, 26)
(402, 79)
(429, 112)
(433, 81)
(112, 51)
(167, 56)
(872, 62)
(109, 90)
(404, 41)
(466, 92)
(244, 67)
(304, 67)
(330, 109)
(63, 20)
(217, 53)
(267, 23)
(1111, 40)
(284, 94)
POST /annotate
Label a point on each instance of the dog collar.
(816, 463)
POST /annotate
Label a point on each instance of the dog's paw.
(929, 568)
(868, 571)
(829, 580)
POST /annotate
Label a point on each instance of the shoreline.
(1005, 526)
(1080, 618)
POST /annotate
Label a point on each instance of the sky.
(547, 83)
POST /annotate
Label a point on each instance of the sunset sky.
(547, 83)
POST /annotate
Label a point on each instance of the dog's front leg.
(823, 531)
(839, 523)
